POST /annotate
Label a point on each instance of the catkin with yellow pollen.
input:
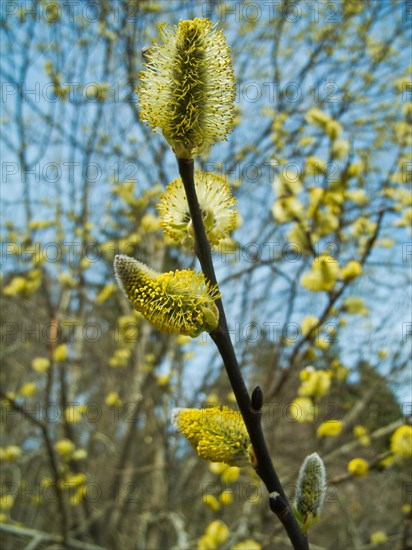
(215, 202)
(179, 302)
(188, 89)
(217, 434)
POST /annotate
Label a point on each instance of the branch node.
(278, 505)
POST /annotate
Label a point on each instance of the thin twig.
(36, 535)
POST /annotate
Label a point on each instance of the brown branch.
(38, 537)
(52, 458)
(334, 295)
(347, 475)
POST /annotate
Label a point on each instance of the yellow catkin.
(179, 302)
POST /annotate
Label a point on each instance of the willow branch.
(38, 537)
(221, 338)
(64, 527)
